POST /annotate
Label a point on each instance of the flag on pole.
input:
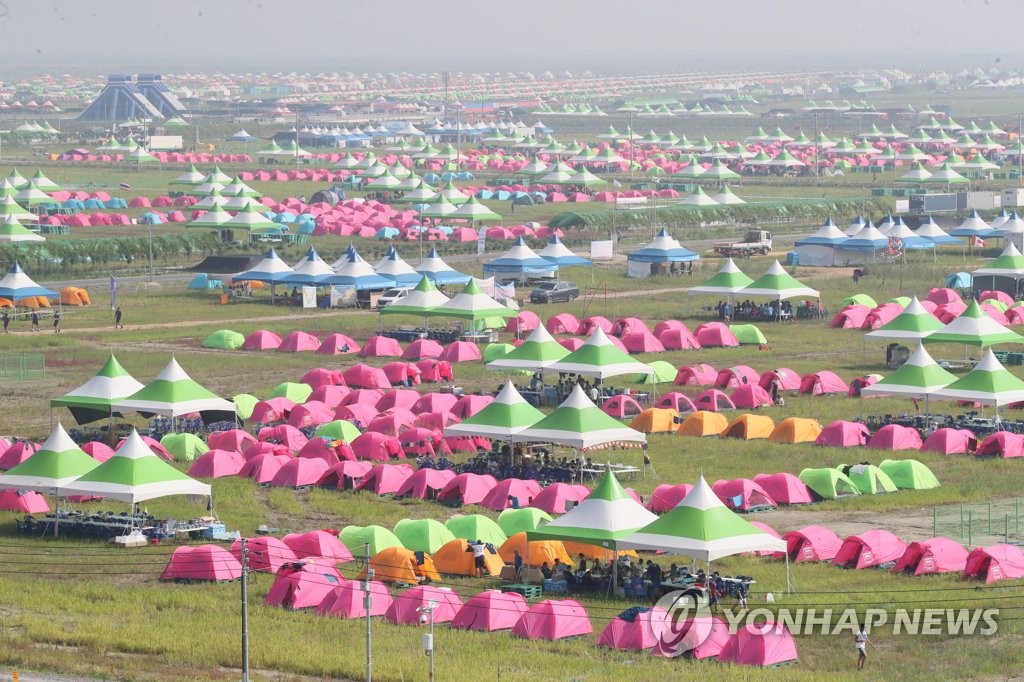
(113, 292)
(977, 241)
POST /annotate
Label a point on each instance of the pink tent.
(299, 342)
(770, 531)
(261, 340)
(523, 323)
(392, 422)
(765, 644)
(283, 434)
(822, 383)
(628, 325)
(1001, 444)
(18, 453)
(435, 370)
(265, 553)
(300, 473)
(785, 488)
(404, 610)
(461, 351)
(381, 346)
(938, 555)
(152, 444)
(466, 489)
(98, 450)
(363, 396)
(403, 373)
(345, 475)
(843, 434)
(811, 543)
(715, 335)
(331, 396)
(400, 397)
(750, 396)
(622, 407)
(947, 312)
(376, 446)
(895, 437)
(678, 339)
(318, 544)
(338, 344)
(271, 410)
(860, 383)
(303, 585)
(321, 376)
(232, 439)
(309, 414)
(364, 376)
(385, 479)
(468, 405)
(873, 548)
(997, 296)
(359, 414)
(217, 463)
(418, 440)
(677, 401)
(701, 637)
(553, 619)
(743, 495)
(998, 562)
(589, 324)
(563, 323)
(435, 402)
(23, 501)
(265, 447)
(347, 600)
(203, 563)
(713, 400)
(947, 441)
(425, 484)
(498, 498)
(558, 498)
(571, 344)
(642, 342)
(939, 296)
(490, 611)
(422, 348)
(882, 315)
(263, 467)
(667, 496)
(665, 325)
(696, 375)
(850, 317)
(640, 633)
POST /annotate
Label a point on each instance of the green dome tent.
(293, 391)
(378, 537)
(747, 334)
(338, 430)
(224, 339)
(184, 446)
(909, 474)
(829, 483)
(423, 535)
(476, 527)
(664, 372)
(513, 521)
(870, 480)
(244, 404)
(494, 351)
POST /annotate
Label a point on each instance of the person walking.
(117, 319)
(478, 557)
(6, 317)
(862, 641)
(35, 321)
(56, 322)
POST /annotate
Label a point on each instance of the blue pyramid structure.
(159, 95)
(121, 99)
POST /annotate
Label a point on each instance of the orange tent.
(540, 551)
(749, 427)
(35, 302)
(703, 423)
(455, 558)
(656, 420)
(594, 551)
(74, 296)
(796, 430)
(6, 303)
(399, 565)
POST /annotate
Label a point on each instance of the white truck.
(755, 241)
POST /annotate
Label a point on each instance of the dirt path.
(909, 524)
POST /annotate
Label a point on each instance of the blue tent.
(242, 136)
(92, 204)
(520, 261)
(356, 273)
(664, 249)
(394, 267)
(271, 270)
(150, 218)
(388, 233)
(557, 253)
(439, 272)
(16, 285)
(868, 239)
(959, 280)
(310, 270)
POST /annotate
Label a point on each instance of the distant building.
(121, 99)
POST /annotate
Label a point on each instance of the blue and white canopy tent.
(663, 249)
(16, 286)
(393, 266)
(560, 255)
(271, 270)
(521, 262)
(819, 249)
(439, 272)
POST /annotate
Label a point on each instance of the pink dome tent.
(23, 501)
(677, 401)
(895, 437)
(363, 396)
(743, 495)
(628, 325)
(422, 348)
(216, 464)
(318, 544)
(404, 610)
(998, 562)
(948, 441)
(523, 323)
(588, 325)
(399, 397)
(696, 375)
(466, 488)
(460, 351)
(850, 317)
(376, 446)
(302, 585)
(740, 375)
(787, 378)
(99, 451)
(715, 335)
(232, 439)
(271, 410)
(285, 435)
(678, 339)
(468, 405)
(310, 413)
(263, 467)
(822, 383)
(638, 634)
(345, 475)
(205, 563)
(338, 344)
(750, 397)
(22, 450)
(261, 340)
(490, 611)
(642, 342)
(764, 645)
(433, 371)
(1001, 444)
(403, 373)
(713, 400)
(621, 407)
(299, 342)
(873, 548)
(553, 619)
(332, 396)
(300, 473)
(523, 490)
(702, 636)
(558, 498)
(385, 479)
(842, 434)
(365, 376)
(667, 496)
(425, 484)
(381, 347)
(265, 553)
(563, 323)
(348, 600)
(785, 488)
(938, 555)
(811, 543)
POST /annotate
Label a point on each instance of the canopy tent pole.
(789, 585)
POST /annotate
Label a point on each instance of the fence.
(21, 366)
(980, 524)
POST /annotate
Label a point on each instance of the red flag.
(977, 241)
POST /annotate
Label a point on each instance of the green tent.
(338, 429)
(918, 377)
(747, 335)
(224, 339)
(476, 527)
(974, 328)
(513, 521)
(423, 535)
(294, 391)
(989, 383)
(506, 415)
(495, 351)
(779, 284)
(578, 423)
(909, 474)
(538, 351)
(472, 304)
(93, 399)
(904, 301)
(870, 480)
(859, 299)
(244, 404)
(829, 483)
(173, 394)
(664, 372)
(58, 462)
(355, 538)
(599, 358)
(728, 280)
(184, 446)
(134, 474)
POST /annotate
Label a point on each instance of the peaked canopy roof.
(440, 272)
(1010, 263)
(604, 517)
(472, 304)
(663, 249)
(174, 393)
(778, 283)
(13, 231)
(702, 527)
(918, 377)
(271, 270)
(352, 271)
(915, 322)
(599, 357)
(58, 462)
(728, 280)
(94, 399)
(560, 255)
(974, 328)
(828, 234)
(421, 301)
(393, 266)
(311, 269)
(134, 474)
(16, 285)
(988, 383)
(578, 423)
(503, 417)
(520, 259)
(539, 350)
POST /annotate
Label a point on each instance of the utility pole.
(367, 603)
(427, 616)
(445, 78)
(245, 611)
(816, 145)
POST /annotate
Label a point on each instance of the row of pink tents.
(378, 346)
(823, 382)
(857, 316)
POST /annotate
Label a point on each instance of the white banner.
(602, 250)
(308, 297)
(481, 241)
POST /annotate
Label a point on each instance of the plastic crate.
(529, 592)
(555, 586)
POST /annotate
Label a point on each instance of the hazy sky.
(100, 36)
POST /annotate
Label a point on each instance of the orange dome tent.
(34, 302)
(454, 559)
(796, 430)
(540, 551)
(595, 552)
(74, 296)
(703, 423)
(656, 420)
(749, 427)
(399, 565)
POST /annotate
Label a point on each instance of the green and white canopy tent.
(989, 383)
(214, 218)
(95, 398)
(472, 304)
(703, 528)
(1009, 264)
(919, 377)
(974, 328)
(502, 418)
(474, 211)
(598, 357)
(134, 474)
(250, 219)
(58, 462)
(173, 394)
(421, 301)
(728, 280)
(13, 231)
(539, 350)
(915, 322)
(192, 176)
(778, 284)
(580, 424)
(9, 208)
